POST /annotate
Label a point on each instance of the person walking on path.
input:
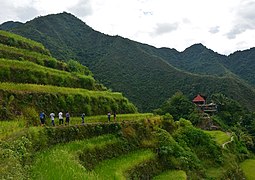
(109, 116)
(82, 118)
(42, 118)
(52, 115)
(67, 118)
(114, 116)
(60, 117)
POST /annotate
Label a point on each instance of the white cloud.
(82, 8)
(214, 29)
(163, 28)
(224, 26)
(244, 19)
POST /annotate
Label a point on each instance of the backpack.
(41, 116)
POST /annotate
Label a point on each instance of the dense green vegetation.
(30, 99)
(139, 150)
(19, 148)
(51, 163)
(136, 69)
(24, 71)
(172, 175)
(14, 40)
(242, 64)
(172, 144)
(219, 136)
(119, 118)
(32, 81)
(115, 168)
(10, 52)
(248, 167)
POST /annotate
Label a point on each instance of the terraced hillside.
(127, 150)
(147, 76)
(31, 80)
(135, 146)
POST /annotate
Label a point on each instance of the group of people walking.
(109, 116)
(52, 117)
(67, 118)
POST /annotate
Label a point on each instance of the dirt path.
(231, 139)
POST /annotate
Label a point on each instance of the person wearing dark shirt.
(67, 118)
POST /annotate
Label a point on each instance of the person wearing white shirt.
(52, 115)
(60, 117)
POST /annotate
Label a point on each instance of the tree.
(230, 111)
(179, 106)
(75, 66)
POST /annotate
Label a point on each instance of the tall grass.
(215, 173)
(119, 118)
(219, 136)
(29, 65)
(25, 71)
(61, 161)
(21, 42)
(9, 52)
(14, 51)
(248, 167)
(25, 88)
(172, 175)
(115, 168)
(9, 127)
(54, 99)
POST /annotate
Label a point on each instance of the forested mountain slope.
(31, 80)
(242, 63)
(145, 74)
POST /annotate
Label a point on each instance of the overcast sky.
(221, 25)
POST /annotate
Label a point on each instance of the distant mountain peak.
(198, 46)
(10, 25)
(135, 68)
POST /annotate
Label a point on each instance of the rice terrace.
(206, 133)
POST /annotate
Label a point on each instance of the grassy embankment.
(248, 167)
(55, 90)
(172, 175)
(219, 136)
(28, 72)
(115, 168)
(218, 172)
(75, 100)
(18, 41)
(9, 52)
(9, 127)
(62, 161)
(119, 118)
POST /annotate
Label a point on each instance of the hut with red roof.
(199, 100)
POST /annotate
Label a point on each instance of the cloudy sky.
(221, 25)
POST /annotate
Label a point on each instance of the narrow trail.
(231, 139)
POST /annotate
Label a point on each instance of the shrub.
(174, 156)
(31, 116)
(200, 142)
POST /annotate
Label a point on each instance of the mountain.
(10, 25)
(195, 59)
(31, 81)
(242, 63)
(145, 74)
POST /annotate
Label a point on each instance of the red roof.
(199, 99)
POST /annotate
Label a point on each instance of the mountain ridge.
(145, 74)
